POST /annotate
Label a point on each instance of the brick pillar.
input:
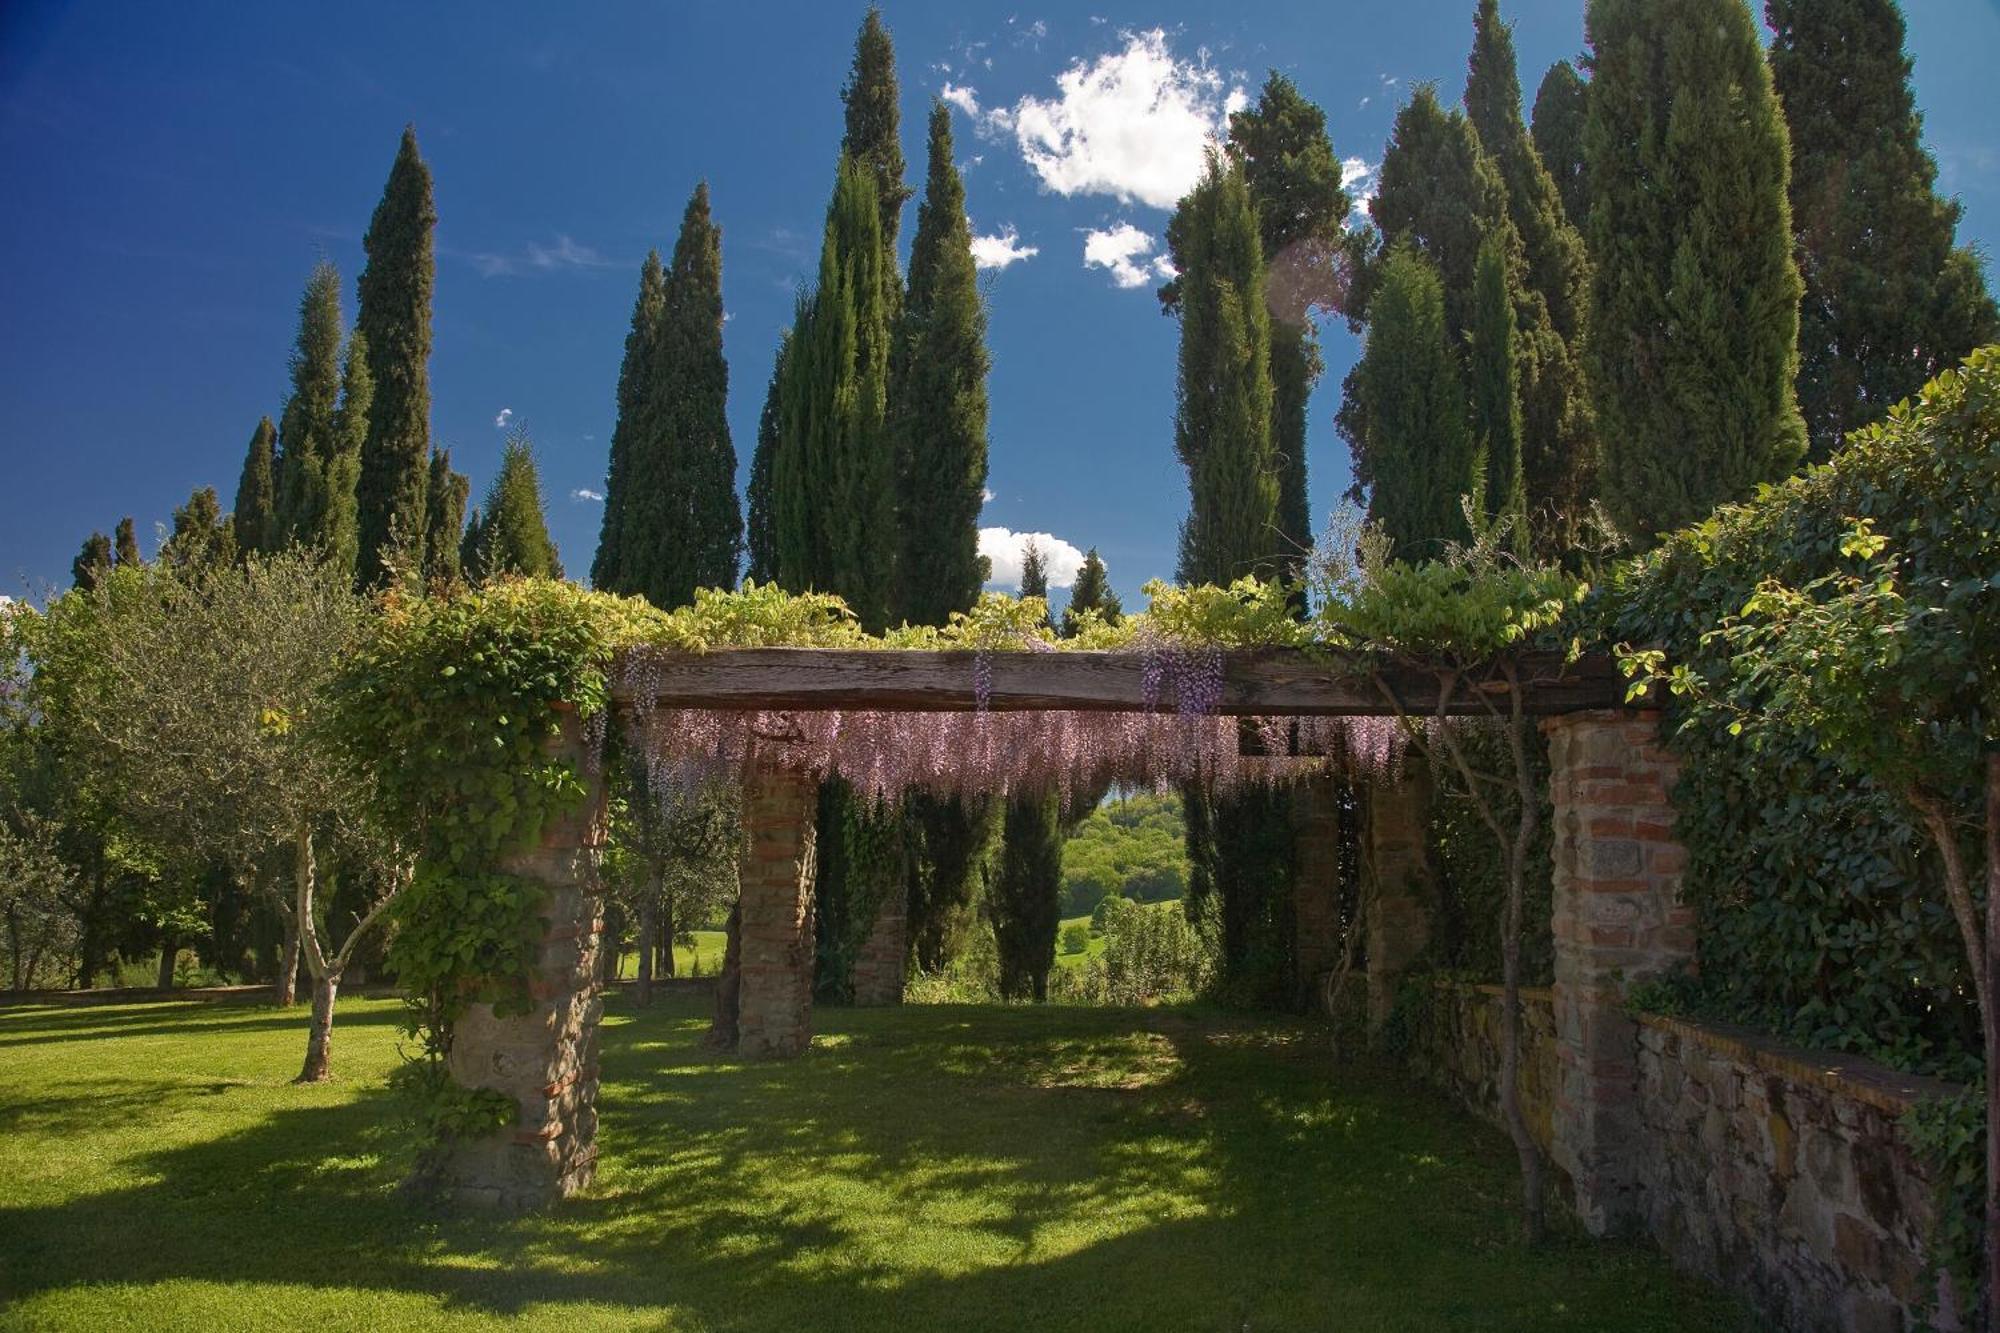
(545, 1059)
(1618, 920)
(1400, 888)
(884, 956)
(1316, 885)
(774, 1005)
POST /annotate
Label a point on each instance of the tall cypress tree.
(1890, 300)
(940, 403)
(1091, 592)
(127, 544)
(1494, 383)
(307, 428)
(92, 563)
(873, 135)
(1553, 300)
(633, 431)
(1294, 183)
(395, 317)
(204, 538)
(760, 535)
(1417, 459)
(338, 526)
(512, 534)
(1026, 906)
(445, 494)
(1561, 104)
(256, 508)
(834, 478)
(1222, 426)
(1693, 343)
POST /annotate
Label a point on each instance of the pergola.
(1617, 918)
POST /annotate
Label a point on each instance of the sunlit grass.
(934, 1167)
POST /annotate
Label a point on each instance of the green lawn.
(1095, 949)
(923, 1168)
(704, 959)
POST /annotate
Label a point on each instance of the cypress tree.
(1494, 382)
(1027, 895)
(513, 537)
(683, 527)
(1091, 592)
(469, 546)
(1552, 302)
(308, 435)
(445, 493)
(1222, 425)
(1417, 459)
(873, 136)
(92, 563)
(1890, 300)
(761, 537)
(256, 508)
(339, 521)
(834, 478)
(395, 316)
(940, 403)
(1693, 344)
(633, 429)
(127, 547)
(1561, 104)
(204, 538)
(1034, 571)
(1294, 183)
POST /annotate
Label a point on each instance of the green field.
(704, 959)
(923, 1168)
(1095, 949)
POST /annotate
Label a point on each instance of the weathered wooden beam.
(1262, 682)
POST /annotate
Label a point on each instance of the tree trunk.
(1989, 1023)
(722, 1032)
(169, 950)
(288, 963)
(1041, 985)
(649, 928)
(666, 936)
(319, 1045)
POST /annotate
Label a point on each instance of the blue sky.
(172, 172)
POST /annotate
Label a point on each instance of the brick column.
(884, 955)
(774, 1005)
(1618, 920)
(545, 1059)
(1400, 888)
(1316, 884)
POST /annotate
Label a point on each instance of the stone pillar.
(1399, 882)
(775, 931)
(1618, 920)
(545, 1059)
(885, 954)
(1316, 883)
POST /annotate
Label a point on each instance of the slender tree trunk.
(722, 1032)
(319, 1043)
(288, 963)
(649, 928)
(326, 979)
(666, 936)
(169, 950)
(1041, 985)
(1989, 1023)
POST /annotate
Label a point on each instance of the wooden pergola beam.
(1269, 682)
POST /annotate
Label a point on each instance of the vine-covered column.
(775, 930)
(883, 959)
(1618, 920)
(1316, 885)
(544, 1059)
(1399, 882)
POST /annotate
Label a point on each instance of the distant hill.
(1134, 847)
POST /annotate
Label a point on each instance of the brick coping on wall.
(1885, 1089)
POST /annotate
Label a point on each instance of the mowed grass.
(924, 1168)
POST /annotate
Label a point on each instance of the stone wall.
(775, 920)
(1455, 1047)
(1781, 1173)
(883, 959)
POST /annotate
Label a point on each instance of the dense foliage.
(1129, 847)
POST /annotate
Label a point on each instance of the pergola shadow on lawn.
(1617, 869)
(956, 1166)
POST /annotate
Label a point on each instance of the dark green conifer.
(761, 536)
(339, 521)
(256, 509)
(204, 538)
(1026, 905)
(395, 317)
(1890, 299)
(1222, 425)
(513, 537)
(1561, 104)
(873, 136)
(1417, 460)
(633, 430)
(1091, 592)
(92, 563)
(307, 428)
(1494, 383)
(127, 543)
(1693, 343)
(445, 494)
(940, 403)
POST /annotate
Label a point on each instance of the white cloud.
(965, 99)
(1128, 253)
(1001, 249)
(1360, 181)
(1133, 124)
(505, 419)
(986, 495)
(1004, 548)
(565, 253)
(586, 495)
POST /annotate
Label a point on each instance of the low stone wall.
(1781, 1173)
(1455, 1046)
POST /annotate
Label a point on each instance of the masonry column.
(1618, 920)
(1399, 882)
(884, 955)
(774, 1005)
(545, 1059)
(1316, 885)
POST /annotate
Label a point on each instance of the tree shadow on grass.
(920, 1168)
(186, 1019)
